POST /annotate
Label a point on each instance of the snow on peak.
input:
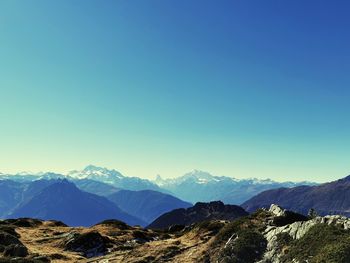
(198, 174)
(95, 172)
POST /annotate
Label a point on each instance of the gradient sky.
(237, 88)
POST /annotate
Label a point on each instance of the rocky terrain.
(266, 236)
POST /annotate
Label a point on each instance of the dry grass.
(189, 246)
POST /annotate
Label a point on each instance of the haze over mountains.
(199, 186)
(94, 194)
(146, 204)
(196, 186)
(63, 201)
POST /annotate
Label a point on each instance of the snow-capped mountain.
(201, 186)
(92, 174)
(195, 186)
(114, 178)
(97, 173)
(21, 177)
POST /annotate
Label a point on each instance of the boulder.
(90, 244)
(277, 210)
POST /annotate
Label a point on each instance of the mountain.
(199, 186)
(146, 204)
(63, 201)
(10, 195)
(198, 213)
(90, 172)
(95, 187)
(114, 178)
(21, 177)
(328, 198)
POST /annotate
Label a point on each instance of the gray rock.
(277, 210)
(296, 230)
(90, 244)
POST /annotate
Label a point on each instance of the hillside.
(198, 213)
(146, 204)
(328, 198)
(65, 202)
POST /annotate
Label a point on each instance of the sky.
(236, 88)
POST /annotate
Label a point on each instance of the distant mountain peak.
(112, 177)
(95, 172)
(199, 173)
(199, 176)
(92, 167)
(345, 179)
(99, 170)
(158, 179)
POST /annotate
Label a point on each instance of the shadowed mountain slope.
(65, 202)
(328, 198)
(146, 204)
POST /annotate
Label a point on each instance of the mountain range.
(199, 186)
(99, 193)
(63, 201)
(325, 199)
(196, 186)
(82, 202)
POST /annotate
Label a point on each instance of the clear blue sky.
(236, 88)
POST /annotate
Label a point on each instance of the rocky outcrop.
(90, 244)
(277, 210)
(295, 230)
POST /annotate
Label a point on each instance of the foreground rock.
(294, 231)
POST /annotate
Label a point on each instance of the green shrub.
(248, 247)
(321, 244)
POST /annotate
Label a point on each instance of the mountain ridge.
(327, 198)
(200, 186)
(63, 201)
